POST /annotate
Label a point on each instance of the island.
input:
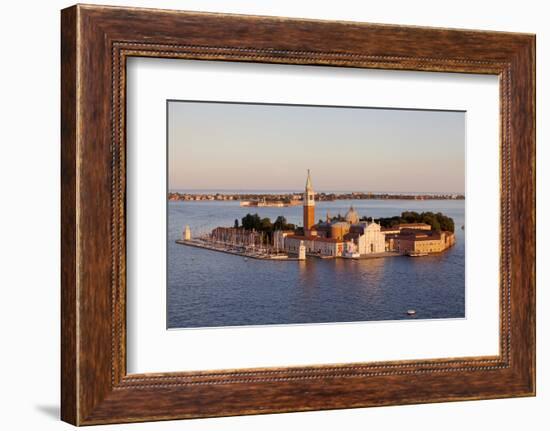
(348, 236)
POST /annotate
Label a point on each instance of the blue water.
(209, 289)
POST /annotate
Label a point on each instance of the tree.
(280, 223)
(236, 223)
(446, 223)
(410, 216)
(432, 221)
(251, 222)
(438, 222)
(265, 225)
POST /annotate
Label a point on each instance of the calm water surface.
(207, 289)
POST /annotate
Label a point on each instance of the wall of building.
(309, 216)
(372, 240)
(440, 243)
(320, 246)
(339, 229)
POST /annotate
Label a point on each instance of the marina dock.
(265, 255)
(379, 255)
(238, 251)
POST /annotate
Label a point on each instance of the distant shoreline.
(287, 199)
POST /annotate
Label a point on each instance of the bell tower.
(309, 206)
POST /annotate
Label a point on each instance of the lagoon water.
(212, 289)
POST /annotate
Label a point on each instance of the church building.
(348, 238)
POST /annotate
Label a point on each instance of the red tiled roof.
(417, 226)
(429, 238)
(420, 235)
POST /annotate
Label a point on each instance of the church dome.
(351, 216)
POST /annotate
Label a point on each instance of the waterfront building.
(368, 237)
(411, 241)
(279, 238)
(419, 241)
(314, 245)
(392, 242)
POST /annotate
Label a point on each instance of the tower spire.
(308, 181)
(309, 205)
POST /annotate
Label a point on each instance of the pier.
(261, 254)
(266, 255)
(379, 255)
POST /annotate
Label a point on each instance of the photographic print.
(302, 214)
(254, 223)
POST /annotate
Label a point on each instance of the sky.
(222, 146)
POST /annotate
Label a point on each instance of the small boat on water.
(351, 255)
(417, 254)
(411, 312)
